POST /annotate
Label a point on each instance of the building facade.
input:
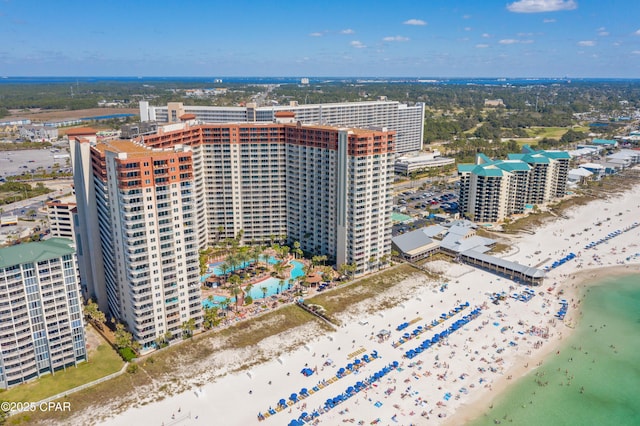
(158, 202)
(492, 190)
(406, 121)
(61, 219)
(38, 133)
(42, 330)
(306, 183)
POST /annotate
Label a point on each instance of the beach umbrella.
(294, 422)
(304, 415)
(303, 391)
(293, 397)
(357, 361)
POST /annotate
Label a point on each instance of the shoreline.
(471, 367)
(581, 282)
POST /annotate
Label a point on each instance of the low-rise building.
(420, 163)
(38, 133)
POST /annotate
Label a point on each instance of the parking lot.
(28, 161)
(420, 203)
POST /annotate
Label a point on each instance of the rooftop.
(35, 252)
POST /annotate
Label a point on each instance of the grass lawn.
(102, 362)
(547, 132)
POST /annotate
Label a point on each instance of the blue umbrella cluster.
(564, 305)
(304, 392)
(611, 235)
(306, 372)
(525, 296)
(348, 393)
(420, 329)
(426, 344)
(560, 262)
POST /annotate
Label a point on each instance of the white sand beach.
(450, 382)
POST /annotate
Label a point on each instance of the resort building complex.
(159, 200)
(492, 190)
(406, 121)
(40, 303)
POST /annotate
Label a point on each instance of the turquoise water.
(272, 285)
(595, 380)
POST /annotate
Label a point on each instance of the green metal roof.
(513, 165)
(557, 154)
(604, 142)
(466, 167)
(35, 252)
(489, 171)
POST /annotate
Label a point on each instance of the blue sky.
(426, 38)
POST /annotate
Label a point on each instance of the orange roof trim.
(285, 114)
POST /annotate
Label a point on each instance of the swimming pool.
(272, 286)
(215, 267)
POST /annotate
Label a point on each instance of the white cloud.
(357, 44)
(587, 43)
(316, 34)
(526, 41)
(538, 6)
(468, 28)
(486, 35)
(635, 52)
(509, 41)
(466, 16)
(637, 32)
(602, 31)
(396, 38)
(414, 22)
(482, 46)
(548, 21)
(347, 31)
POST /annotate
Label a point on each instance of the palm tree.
(264, 292)
(224, 303)
(243, 259)
(291, 282)
(225, 267)
(278, 268)
(188, 327)
(281, 285)
(248, 289)
(296, 249)
(255, 252)
(235, 291)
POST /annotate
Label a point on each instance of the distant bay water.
(313, 80)
(595, 380)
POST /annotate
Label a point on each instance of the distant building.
(134, 130)
(42, 328)
(407, 121)
(420, 163)
(579, 175)
(494, 103)
(607, 143)
(38, 133)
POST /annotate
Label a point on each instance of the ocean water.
(595, 380)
